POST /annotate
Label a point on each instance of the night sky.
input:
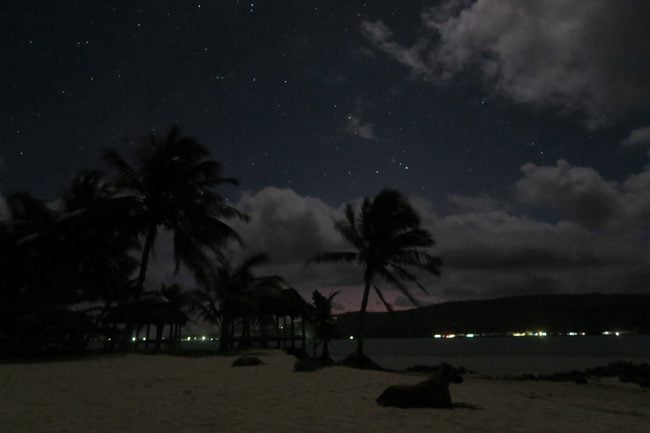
(520, 130)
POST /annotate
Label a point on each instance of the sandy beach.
(161, 393)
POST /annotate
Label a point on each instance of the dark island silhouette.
(592, 314)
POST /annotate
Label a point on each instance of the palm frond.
(127, 176)
(338, 257)
(381, 297)
(388, 276)
(189, 251)
(413, 238)
(403, 274)
(350, 234)
(255, 261)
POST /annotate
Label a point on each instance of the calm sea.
(503, 355)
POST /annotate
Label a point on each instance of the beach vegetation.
(171, 184)
(323, 321)
(389, 243)
(232, 291)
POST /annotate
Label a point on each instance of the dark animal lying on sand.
(433, 392)
(246, 361)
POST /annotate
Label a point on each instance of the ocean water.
(503, 355)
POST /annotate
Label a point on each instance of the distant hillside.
(592, 313)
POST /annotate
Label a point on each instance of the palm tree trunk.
(142, 273)
(144, 262)
(325, 356)
(225, 334)
(362, 316)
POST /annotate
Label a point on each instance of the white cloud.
(487, 250)
(382, 36)
(583, 195)
(579, 191)
(481, 203)
(639, 136)
(357, 127)
(586, 56)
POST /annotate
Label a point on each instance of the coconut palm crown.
(172, 183)
(389, 243)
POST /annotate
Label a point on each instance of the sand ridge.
(162, 393)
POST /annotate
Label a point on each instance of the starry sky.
(519, 130)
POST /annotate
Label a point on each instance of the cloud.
(481, 203)
(490, 254)
(639, 136)
(584, 56)
(356, 126)
(291, 229)
(579, 191)
(584, 196)
(382, 36)
(487, 249)
(288, 226)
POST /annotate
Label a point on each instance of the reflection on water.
(503, 355)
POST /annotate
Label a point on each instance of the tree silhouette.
(172, 185)
(388, 241)
(232, 291)
(59, 256)
(323, 321)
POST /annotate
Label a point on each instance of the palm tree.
(100, 234)
(171, 184)
(388, 240)
(323, 321)
(231, 292)
(78, 250)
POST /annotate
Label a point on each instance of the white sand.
(144, 393)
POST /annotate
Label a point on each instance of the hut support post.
(137, 336)
(146, 342)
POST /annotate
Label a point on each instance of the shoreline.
(160, 393)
